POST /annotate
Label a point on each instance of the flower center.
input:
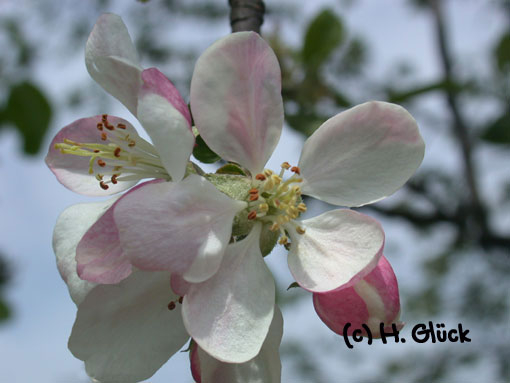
(122, 157)
(273, 200)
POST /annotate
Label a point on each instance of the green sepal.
(293, 285)
(231, 168)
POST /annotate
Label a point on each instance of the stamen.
(121, 126)
(252, 215)
(99, 126)
(104, 136)
(285, 165)
(103, 185)
(254, 191)
(296, 170)
(180, 300)
(116, 152)
(114, 179)
(300, 230)
(260, 177)
(254, 197)
(283, 240)
(101, 163)
(171, 305)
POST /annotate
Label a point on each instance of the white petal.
(236, 99)
(125, 332)
(175, 226)
(72, 224)
(229, 314)
(169, 131)
(361, 155)
(339, 247)
(264, 368)
(112, 60)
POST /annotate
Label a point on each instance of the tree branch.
(460, 127)
(246, 15)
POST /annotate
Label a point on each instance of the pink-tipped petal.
(71, 170)
(229, 314)
(171, 225)
(264, 368)
(338, 248)
(161, 111)
(71, 225)
(99, 256)
(156, 82)
(112, 60)
(361, 155)
(371, 301)
(236, 99)
(126, 332)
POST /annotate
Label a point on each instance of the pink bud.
(195, 363)
(371, 301)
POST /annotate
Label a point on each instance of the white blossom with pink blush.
(182, 254)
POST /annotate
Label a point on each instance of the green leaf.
(304, 123)
(502, 52)
(324, 34)
(5, 312)
(202, 152)
(231, 168)
(30, 112)
(498, 132)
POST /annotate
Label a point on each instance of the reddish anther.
(103, 185)
(121, 126)
(171, 305)
(260, 177)
(252, 215)
(254, 191)
(104, 136)
(180, 300)
(101, 163)
(116, 152)
(114, 179)
(254, 197)
(295, 169)
(99, 126)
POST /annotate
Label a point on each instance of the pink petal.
(99, 255)
(156, 82)
(361, 155)
(229, 314)
(179, 285)
(73, 171)
(71, 225)
(165, 116)
(112, 60)
(265, 367)
(236, 99)
(371, 301)
(125, 332)
(339, 247)
(171, 225)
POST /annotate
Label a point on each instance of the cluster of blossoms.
(182, 255)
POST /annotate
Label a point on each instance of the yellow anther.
(276, 179)
(263, 207)
(296, 190)
(268, 172)
(282, 219)
(300, 230)
(274, 227)
(269, 184)
(283, 188)
(292, 211)
(301, 207)
(285, 165)
(283, 240)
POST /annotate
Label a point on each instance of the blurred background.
(447, 230)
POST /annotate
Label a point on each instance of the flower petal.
(165, 116)
(112, 60)
(72, 171)
(264, 368)
(339, 247)
(171, 225)
(99, 255)
(71, 225)
(361, 155)
(236, 99)
(229, 314)
(371, 301)
(125, 332)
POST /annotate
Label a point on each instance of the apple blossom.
(188, 248)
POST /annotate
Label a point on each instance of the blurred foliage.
(321, 76)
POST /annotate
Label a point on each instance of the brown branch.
(246, 15)
(460, 127)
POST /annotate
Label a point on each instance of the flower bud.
(371, 301)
